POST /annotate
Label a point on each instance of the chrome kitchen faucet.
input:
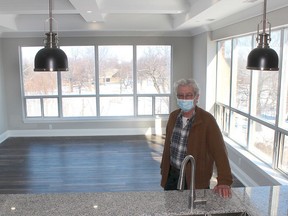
(181, 182)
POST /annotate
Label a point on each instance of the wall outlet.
(50, 126)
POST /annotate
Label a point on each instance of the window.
(239, 128)
(224, 71)
(264, 95)
(255, 117)
(283, 113)
(283, 160)
(262, 141)
(80, 79)
(241, 76)
(119, 85)
(153, 75)
(115, 70)
(153, 69)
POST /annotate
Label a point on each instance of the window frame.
(221, 109)
(97, 95)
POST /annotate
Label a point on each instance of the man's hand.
(223, 190)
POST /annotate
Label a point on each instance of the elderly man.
(193, 131)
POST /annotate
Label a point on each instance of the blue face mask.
(185, 105)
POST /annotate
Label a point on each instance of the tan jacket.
(206, 145)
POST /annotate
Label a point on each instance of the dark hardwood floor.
(81, 164)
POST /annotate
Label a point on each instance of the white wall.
(182, 67)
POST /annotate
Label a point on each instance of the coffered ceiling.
(126, 17)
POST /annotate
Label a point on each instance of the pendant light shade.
(263, 57)
(51, 57)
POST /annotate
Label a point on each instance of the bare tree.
(154, 65)
(37, 83)
(81, 74)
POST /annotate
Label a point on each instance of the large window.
(252, 106)
(102, 81)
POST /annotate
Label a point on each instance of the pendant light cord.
(50, 15)
(264, 16)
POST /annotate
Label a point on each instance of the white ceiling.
(126, 17)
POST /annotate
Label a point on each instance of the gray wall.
(204, 68)
(182, 68)
(3, 105)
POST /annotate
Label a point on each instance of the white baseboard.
(80, 132)
(4, 136)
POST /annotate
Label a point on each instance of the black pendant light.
(263, 57)
(51, 57)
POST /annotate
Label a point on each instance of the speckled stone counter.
(256, 201)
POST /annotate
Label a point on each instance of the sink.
(230, 214)
(190, 214)
(216, 214)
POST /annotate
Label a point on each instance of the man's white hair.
(187, 82)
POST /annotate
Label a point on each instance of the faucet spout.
(181, 180)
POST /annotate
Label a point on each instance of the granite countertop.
(256, 201)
